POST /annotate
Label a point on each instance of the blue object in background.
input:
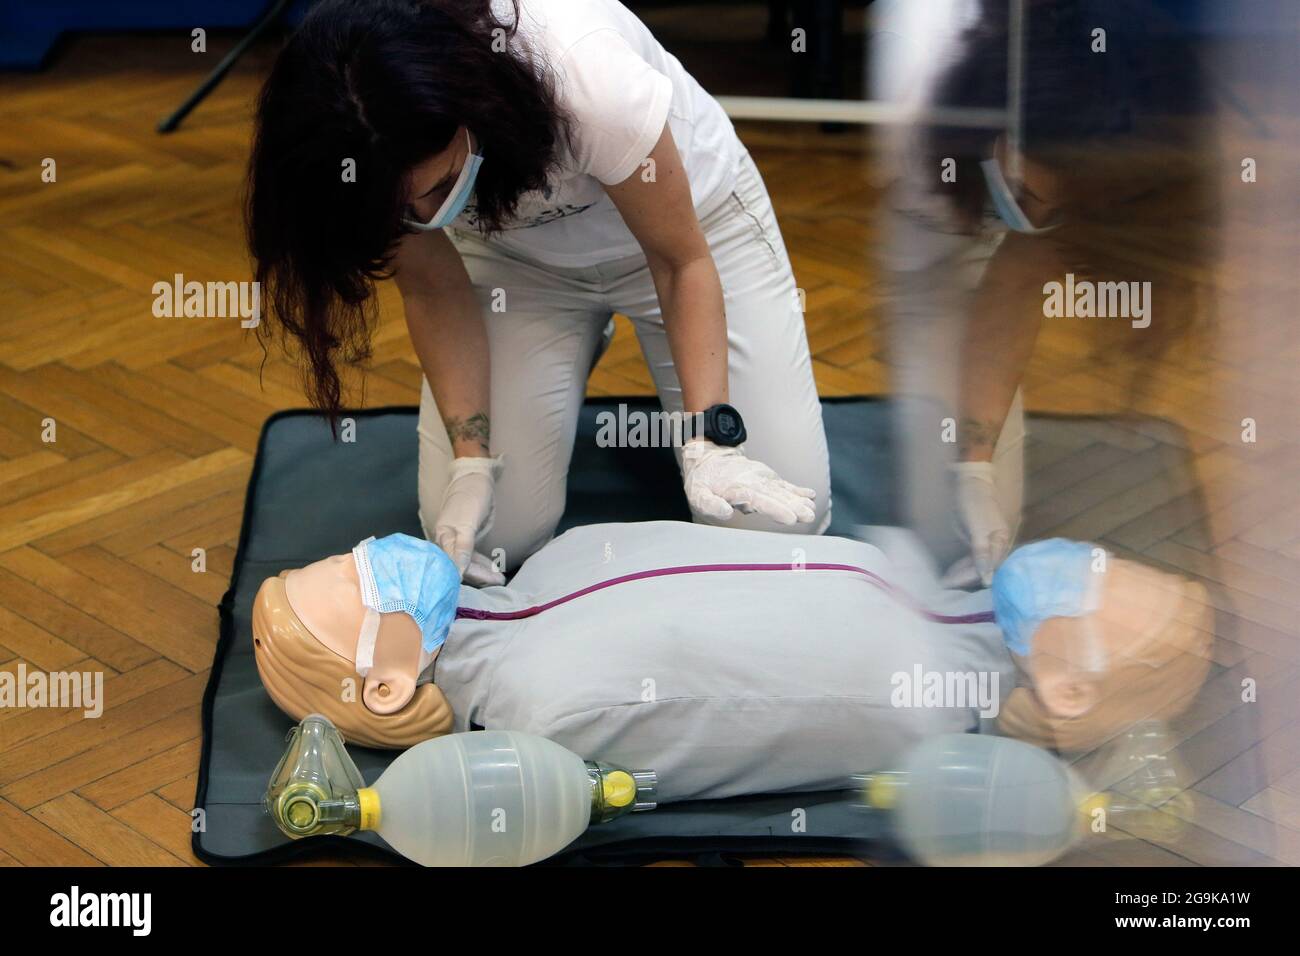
(1229, 17)
(29, 29)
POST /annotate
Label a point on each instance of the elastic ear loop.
(1088, 655)
(366, 641)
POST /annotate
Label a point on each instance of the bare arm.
(1007, 314)
(999, 339)
(446, 326)
(659, 211)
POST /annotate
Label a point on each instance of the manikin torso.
(739, 661)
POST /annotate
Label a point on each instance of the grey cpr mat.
(309, 497)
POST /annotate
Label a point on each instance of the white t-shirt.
(911, 45)
(620, 86)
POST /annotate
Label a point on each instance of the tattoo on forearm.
(477, 428)
(973, 435)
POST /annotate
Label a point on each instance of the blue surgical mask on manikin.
(459, 196)
(1052, 578)
(1004, 201)
(402, 573)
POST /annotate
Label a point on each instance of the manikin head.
(306, 626)
(1143, 653)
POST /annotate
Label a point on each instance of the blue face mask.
(1053, 578)
(459, 196)
(402, 573)
(1004, 201)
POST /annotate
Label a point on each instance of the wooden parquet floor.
(157, 421)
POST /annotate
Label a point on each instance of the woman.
(524, 169)
(1109, 180)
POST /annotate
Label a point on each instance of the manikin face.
(326, 596)
(392, 681)
(1065, 682)
(431, 181)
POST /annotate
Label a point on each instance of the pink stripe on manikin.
(475, 614)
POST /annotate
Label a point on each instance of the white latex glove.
(982, 525)
(466, 512)
(720, 481)
(482, 573)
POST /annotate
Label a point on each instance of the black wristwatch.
(724, 426)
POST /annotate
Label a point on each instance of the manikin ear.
(391, 683)
(1067, 697)
(1066, 676)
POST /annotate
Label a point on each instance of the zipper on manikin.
(479, 614)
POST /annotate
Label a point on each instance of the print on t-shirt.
(533, 218)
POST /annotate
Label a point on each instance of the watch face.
(726, 425)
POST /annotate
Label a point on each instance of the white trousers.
(544, 324)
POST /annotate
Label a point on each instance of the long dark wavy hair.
(383, 85)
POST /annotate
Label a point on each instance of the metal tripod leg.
(268, 17)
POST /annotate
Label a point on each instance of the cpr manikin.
(307, 627)
(740, 662)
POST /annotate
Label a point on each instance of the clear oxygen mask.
(314, 788)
